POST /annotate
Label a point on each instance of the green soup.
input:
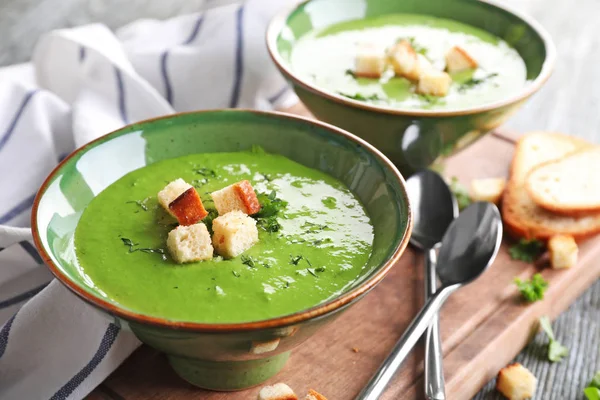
(326, 57)
(321, 247)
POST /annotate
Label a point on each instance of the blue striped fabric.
(121, 95)
(32, 251)
(4, 332)
(273, 99)
(22, 296)
(13, 124)
(239, 60)
(107, 341)
(17, 210)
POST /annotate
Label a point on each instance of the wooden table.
(569, 103)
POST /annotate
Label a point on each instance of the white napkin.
(82, 83)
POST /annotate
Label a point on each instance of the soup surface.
(320, 248)
(326, 57)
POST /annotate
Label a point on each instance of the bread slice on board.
(522, 216)
(570, 185)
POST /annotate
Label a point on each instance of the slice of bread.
(568, 185)
(190, 243)
(522, 216)
(279, 391)
(234, 233)
(487, 189)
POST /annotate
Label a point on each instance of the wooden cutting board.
(484, 325)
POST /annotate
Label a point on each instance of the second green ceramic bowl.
(228, 356)
(413, 139)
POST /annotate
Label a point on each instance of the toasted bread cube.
(457, 59)
(264, 347)
(563, 251)
(404, 59)
(234, 233)
(190, 243)
(314, 395)
(434, 83)
(369, 62)
(188, 207)
(279, 391)
(424, 65)
(172, 191)
(488, 189)
(515, 382)
(237, 197)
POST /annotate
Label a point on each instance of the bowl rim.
(278, 22)
(276, 322)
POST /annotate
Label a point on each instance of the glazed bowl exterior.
(412, 138)
(224, 356)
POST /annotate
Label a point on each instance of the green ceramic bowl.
(413, 139)
(219, 356)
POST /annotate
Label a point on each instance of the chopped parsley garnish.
(320, 269)
(206, 172)
(208, 220)
(266, 177)
(351, 73)
(287, 285)
(236, 274)
(295, 260)
(249, 261)
(314, 228)
(321, 241)
(475, 82)
(310, 271)
(556, 351)
(270, 204)
(460, 192)
(198, 183)
(527, 250)
(532, 290)
(266, 265)
(269, 224)
(133, 248)
(141, 203)
(361, 97)
(592, 391)
(429, 98)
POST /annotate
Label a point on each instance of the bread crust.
(246, 193)
(524, 218)
(188, 207)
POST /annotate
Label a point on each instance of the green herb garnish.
(133, 249)
(527, 250)
(460, 192)
(141, 203)
(236, 274)
(361, 97)
(270, 204)
(208, 220)
(287, 285)
(198, 183)
(314, 228)
(321, 241)
(266, 265)
(269, 224)
(475, 82)
(556, 351)
(592, 391)
(532, 290)
(295, 260)
(206, 172)
(351, 73)
(310, 270)
(320, 269)
(249, 261)
(266, 177)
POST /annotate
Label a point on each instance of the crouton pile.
(234, 231)
(407, 63)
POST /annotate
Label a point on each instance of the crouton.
(279, 391)
(190, 243)
(234, 233)
(488, 189)
(188, 207)
(563, 251)
(434, 83)
(237, 197)
(404, 59)
(515, 382)
(264, 347)
(369, 62)
(457, 59)
(172, 191)
(314, 395)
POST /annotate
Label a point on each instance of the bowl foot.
(227, 375)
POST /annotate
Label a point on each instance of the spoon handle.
(419, 324)
(434, 371)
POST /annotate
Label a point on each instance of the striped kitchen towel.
(82, 83)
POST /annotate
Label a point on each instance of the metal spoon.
(468, 248)
(434, 208)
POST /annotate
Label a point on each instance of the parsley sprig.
(527, 250)
(270, 207)
(133, 248)
(556, 351)
(592, 391)
(532, 290)
(460, 192)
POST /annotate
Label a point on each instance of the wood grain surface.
(483, 325)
